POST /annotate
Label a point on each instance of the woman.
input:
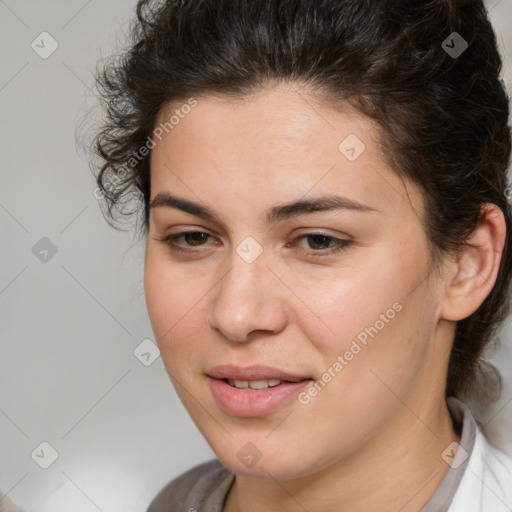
(323, 193)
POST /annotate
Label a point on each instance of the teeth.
(253, 384)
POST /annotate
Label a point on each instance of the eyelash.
(340, 246)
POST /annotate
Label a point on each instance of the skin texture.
(372, 438)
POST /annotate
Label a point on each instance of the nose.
(249, 300)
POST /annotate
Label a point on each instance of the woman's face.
(262, 284)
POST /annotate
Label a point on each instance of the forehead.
(282, 113)
(281, 143)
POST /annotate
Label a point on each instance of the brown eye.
(321, 240)
(195, 237)
(324, 245)
(191, 238)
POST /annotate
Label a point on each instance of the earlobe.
(476, 267)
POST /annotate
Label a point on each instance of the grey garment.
(444, 494)
(205, 487)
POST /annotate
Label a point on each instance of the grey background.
(69, 325)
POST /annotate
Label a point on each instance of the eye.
(321, 239)
(322, 244)
(195, 237)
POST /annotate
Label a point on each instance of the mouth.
(256, 385)
(254, 391)
(233, 374)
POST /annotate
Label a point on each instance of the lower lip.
(251, 403)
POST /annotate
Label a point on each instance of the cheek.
(356, 307)
(157, 294)
(376, 321)
(175, 305)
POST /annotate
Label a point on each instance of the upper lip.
(229, 371)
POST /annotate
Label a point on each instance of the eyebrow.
(274, 214)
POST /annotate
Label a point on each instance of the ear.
(471, 277)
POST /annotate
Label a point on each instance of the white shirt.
(487, 482)
(480, 479)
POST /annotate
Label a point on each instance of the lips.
(259, 398)
(253, 373)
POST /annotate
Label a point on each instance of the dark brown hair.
(442, 108)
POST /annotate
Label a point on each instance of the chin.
(270, 469)
(253, 462)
